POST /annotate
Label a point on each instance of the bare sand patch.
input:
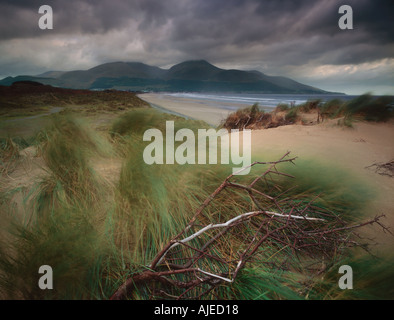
(351, 149)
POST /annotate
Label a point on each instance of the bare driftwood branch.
(213, 248)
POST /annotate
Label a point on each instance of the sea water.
(232, 101)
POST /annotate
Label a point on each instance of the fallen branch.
(207, 253)
(232, 222)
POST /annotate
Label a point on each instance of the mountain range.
(188, 76)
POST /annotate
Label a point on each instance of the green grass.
(291, 115)
(96, 234)
(65, 222)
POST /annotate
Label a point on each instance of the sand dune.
(351, 149)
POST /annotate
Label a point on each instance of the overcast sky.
(295, 38)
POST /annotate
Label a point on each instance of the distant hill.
(44, 80)
(34, 96)
(191, 76)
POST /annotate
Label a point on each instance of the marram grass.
(97, 234)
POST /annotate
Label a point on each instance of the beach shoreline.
(189, 108)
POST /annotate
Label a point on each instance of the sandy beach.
(350, 149)
(191, 108)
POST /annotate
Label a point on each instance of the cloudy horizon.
(297, 39)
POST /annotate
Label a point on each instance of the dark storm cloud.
(20, 18)
(268, 35)
(231, 22)
(249, 23)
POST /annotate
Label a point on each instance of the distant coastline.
(232, 100)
